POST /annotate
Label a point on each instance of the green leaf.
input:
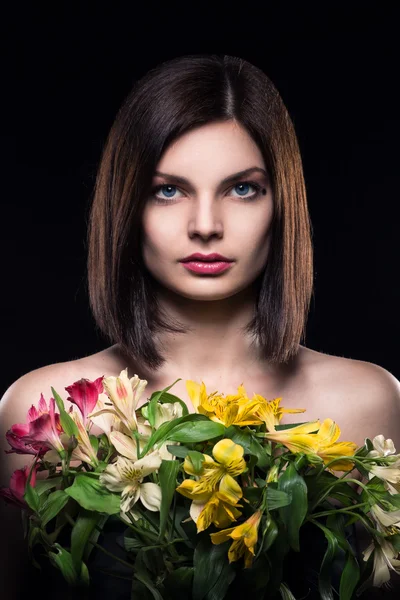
(170, 398)
(31, 498)
(349, 578)
(151, 410)
(223, 582)
(34, 536)
(324, 577)
(244, 437)
(94, 440)
(81, 532)
(158, 395)
(54, 503)
(92, 495)
(290, 425)
(67, 423)
(62, 559)
(132, 544)
(167, 474)
(277, 498)
(162, 433)
(286, 594)
(179, 451)
(276, 559)
(208, 560)
(377, 494)
(197, 459)
(179, 583)
(43, 485)
(144, 576)
(293, 514)
(94, 536)
(252, 494)
(318, 483)
(196, 432)
(395, 541)
(269, 534)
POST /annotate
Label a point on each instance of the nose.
(205, 220)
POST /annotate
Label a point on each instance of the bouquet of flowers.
(213, 503)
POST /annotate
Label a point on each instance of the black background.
(66, 68)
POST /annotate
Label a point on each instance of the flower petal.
(328, 432)
(148, 464)
(124, 444)
(230, 488)
(226, 451)
(193, 390)
(150, 495)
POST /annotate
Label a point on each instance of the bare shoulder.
(363, 395)
(27, 389)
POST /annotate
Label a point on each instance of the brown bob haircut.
(169, 100)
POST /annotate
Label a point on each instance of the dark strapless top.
(111, 579)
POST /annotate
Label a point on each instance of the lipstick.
(207, 268)
(207, 264)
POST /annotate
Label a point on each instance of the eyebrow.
(228, 179)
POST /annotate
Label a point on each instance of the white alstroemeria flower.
(126, 445)
(124, 394)
(104, 420)
(382, 447)
(84, 450)
(166, 412)
(126, 476)
(386, 518)
(385, 560)
(388, 474)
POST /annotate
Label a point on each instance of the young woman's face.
(194, 208)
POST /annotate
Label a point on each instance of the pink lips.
(207, 264)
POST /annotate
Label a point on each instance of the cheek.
(253, 234)
(159, 234)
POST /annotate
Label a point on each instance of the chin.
(213, 291)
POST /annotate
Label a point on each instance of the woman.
(203, 160)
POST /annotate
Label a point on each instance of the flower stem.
(348, 509)
(96, 545)
(117, 558)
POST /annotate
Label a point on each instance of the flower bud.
(273, 474)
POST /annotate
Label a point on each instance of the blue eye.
(246, 185)
(169, 190)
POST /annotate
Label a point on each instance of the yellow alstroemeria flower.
(271, 412)
(124, 394)
(329, 448)
(218, 507)
(234, 409)
(228, 463)
(244, 538)
(300, 438)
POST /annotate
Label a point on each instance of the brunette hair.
(169, 100)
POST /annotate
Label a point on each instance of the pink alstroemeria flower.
(15, 435)
(18, 446)
(15, 493)
(84, 393)
(44, 429)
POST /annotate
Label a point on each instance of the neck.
(215, 347)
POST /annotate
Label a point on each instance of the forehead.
(215, 149)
